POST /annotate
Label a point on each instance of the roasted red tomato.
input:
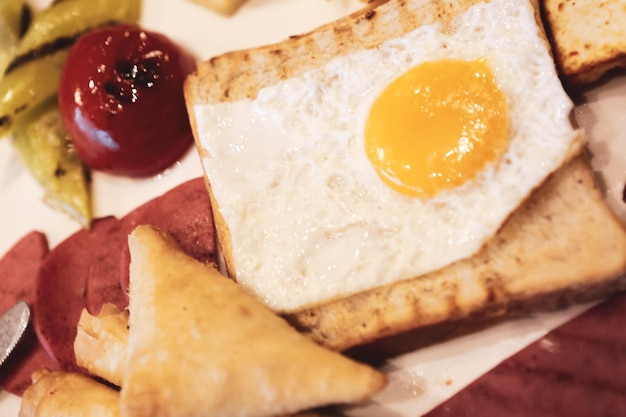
(121, 100)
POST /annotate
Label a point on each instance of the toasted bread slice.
(588, 38)
(563, 245)
(200, 345)
(527, 261)
(58, 393)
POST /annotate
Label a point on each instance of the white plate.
(419, 380)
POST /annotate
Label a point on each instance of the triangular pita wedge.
(200, 346)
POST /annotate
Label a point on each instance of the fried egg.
(387, 163)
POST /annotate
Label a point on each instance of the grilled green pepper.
(42, 143)
(33, 72)
(28, 85)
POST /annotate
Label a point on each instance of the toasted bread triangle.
(200, 346)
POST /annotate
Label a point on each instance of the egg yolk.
(436, 126)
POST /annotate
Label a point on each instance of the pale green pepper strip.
(43, 144)
(38, 60)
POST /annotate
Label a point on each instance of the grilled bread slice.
(529, 262)
(589, 38)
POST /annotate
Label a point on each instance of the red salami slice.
(575, 370)
(18, 271)
(60, 291)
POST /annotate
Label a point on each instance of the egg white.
(309, 218)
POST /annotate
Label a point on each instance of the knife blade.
(13, 323)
